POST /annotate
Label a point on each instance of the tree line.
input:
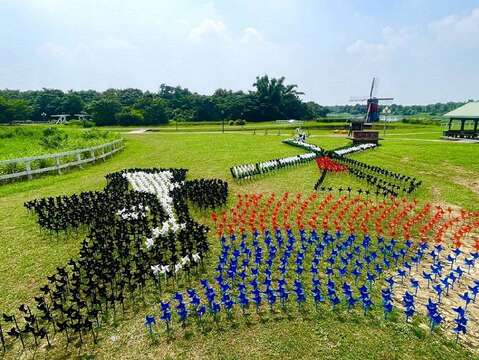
(271, 99)
(406, 110)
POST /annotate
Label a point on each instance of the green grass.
(27, 254)
(26, 141)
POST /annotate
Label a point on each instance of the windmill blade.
(386, 98)
(372, 88)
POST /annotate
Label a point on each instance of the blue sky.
(423, 51)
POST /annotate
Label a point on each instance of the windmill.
(372, 103)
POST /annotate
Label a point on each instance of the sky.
(422, 51)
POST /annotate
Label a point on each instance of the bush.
(95, 134)
(81, 123)
(231, 122)
(53, 138)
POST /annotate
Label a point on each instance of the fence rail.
(22, 167)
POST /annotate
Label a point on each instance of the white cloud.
(251, 35)
(208, 28)
(378, 51)
(458, 28)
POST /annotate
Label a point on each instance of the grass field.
(26, 141)
(450, 173)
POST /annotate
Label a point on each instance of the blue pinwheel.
(227, 302)
(428, 277)
(200, 311)
(282, 292)
(386, 295)
(461, 325)
(149, 322)
(408, 302)
(402, 274)
(459, 272)
(365, 298)
(378, 269)
(243, 297)
(317, 297)
(300, 294)
(451, 259)
(194, 298)
(166, 314)
(415, 285)
(270, 297)
(181, 309)
(467, 298)
(390, 281)
(256, 297)
(356, 273)
(469, 262)
(432, 312)
(438, 289)
(475, 290)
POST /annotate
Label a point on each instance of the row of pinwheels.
(356, 148)
(391, 182)
(304, 145)
(124, 258)
(272, 270)
(246, 171)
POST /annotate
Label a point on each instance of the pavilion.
(468, 113)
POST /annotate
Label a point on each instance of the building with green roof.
(464, 115)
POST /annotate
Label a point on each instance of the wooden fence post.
(29, 169)
(57, 161)
(79, 159)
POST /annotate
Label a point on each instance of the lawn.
(27, 141)
(449, 171)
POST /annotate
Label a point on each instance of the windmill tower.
(372, 103)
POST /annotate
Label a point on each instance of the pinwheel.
(432, 312)
(466, 297)
(461, 322)
(166, 314)
(149, 322)
(409, 308)
(386, 295)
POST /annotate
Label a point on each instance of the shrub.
(95, 134)
(81, 123)
(231, 122)
(53, 138)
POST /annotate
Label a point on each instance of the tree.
(14, 110)
(129, 116)
(316, 110)
(104, 110)
(48, 101)
(72, 104)
(206, 109)
(277, 100)
(154, 110)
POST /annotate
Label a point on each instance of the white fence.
(27, 167)
(290, 122)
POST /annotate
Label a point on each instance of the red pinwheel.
(325, 163)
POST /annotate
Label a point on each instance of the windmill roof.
(467, 111)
